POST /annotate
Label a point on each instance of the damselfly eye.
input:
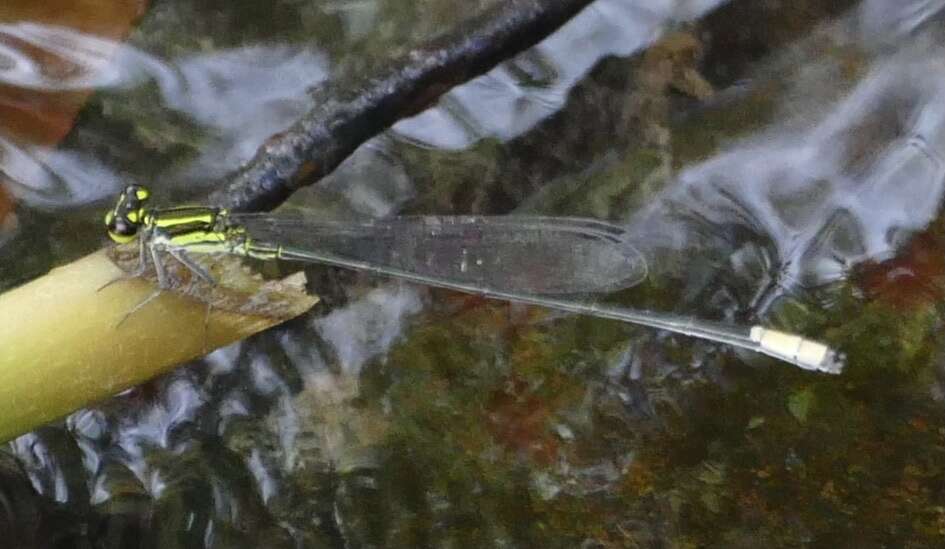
(119, 226)
(135, 196)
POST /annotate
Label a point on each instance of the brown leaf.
(41, 117)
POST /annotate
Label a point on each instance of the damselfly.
(531, 260)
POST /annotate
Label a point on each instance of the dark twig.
(346, 114)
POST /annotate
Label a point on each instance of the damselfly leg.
(154, 252)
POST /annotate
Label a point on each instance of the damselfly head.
(123, 221)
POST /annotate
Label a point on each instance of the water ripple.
(234, 98)
(515, 96)
(791, 186)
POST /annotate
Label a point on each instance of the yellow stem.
(63, 344)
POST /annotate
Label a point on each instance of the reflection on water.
(885, 22)
(400, 417)
(367, 328)
(519, 94)
(235, 98)
(242, 97)
(818, 195)
(48, 58)
(54, 178)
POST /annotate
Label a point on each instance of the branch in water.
(346, 114)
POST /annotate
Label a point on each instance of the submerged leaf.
(800, 403)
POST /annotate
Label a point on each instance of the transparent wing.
(520, 259)
(535, 255)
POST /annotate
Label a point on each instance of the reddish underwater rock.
(911, 279)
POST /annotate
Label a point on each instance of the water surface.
(781, 165)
